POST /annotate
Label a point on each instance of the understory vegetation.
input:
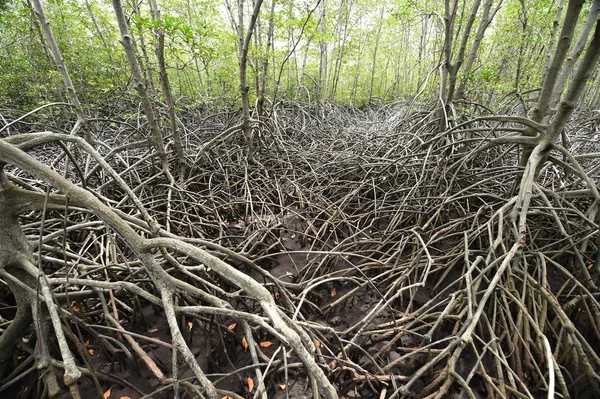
(185, 216)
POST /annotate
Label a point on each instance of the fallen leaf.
(266, 344)
(232, 326)
(91, 352)
(153, 330)
(107, 393)
(333, 292)
(190, 324)
(226, 397)
(282, 386)
(250, 384)
(245, 344)
(87, 342)
(319, 343)
(20, 357)
(124, 397)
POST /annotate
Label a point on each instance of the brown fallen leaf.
(282, 386)
(107, 393)
(266, 344)
(333, 292)
(153, 330)
(319, 343)
(232, 326)
(250, 384)
(190, 324)
(91, 352)
(245, 344)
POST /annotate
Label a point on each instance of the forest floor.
(389, 243)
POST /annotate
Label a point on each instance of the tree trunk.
(100, 35)
(51, 63)
(377, 37)
(244, 44)
(486, 19)
(356, 75)
(555, 26)
(453, 68)
(140, 86)
(62, 68)
(446, 65)
(264, 67)
(323, 56)
(524, 24)
(575, 52)
(166, 89)
(542, 111)
(145, 62)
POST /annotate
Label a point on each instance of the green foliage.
(334, 57)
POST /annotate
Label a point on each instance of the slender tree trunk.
(323, 78)
(341, 46)
(580, 78)
(244, 44)
(99, 33)
(446, 66)
(486, 19)
(555, 26)
(378, 36)
(145, 62)
(303, 68)
(62, 68)
(166, 89)
(422, 44)
(524, 25)
(51, 63)
(140, 85)
(453, 68)
(575, 52)
(356, 75)
(256, 63)
(542, 112)
(191, 14)
(264, 69)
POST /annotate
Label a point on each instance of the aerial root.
(378, 257)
